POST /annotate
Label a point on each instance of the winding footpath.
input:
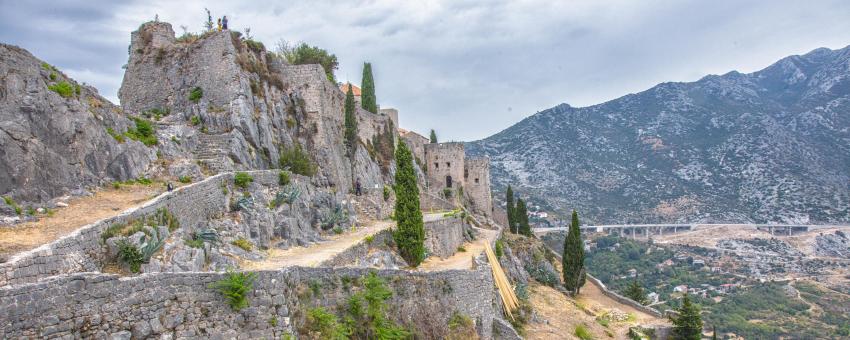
(314, 254)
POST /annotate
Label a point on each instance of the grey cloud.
(458, 66)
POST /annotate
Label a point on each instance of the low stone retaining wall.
(622, 299)
(182, 305)
(82, 251)
(443, 237)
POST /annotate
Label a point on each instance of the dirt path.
(79, 212)
(461, 260)
(319, 252)
(592, 297)
(558, 315)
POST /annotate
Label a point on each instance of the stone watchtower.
(444, 162)
(448, 170)
(476, 175)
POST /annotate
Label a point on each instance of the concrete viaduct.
(646, 230)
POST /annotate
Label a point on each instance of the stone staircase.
(212, 151)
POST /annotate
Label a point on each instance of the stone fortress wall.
(416, 143)
(183, 305)
(60, 284)
(83, 250)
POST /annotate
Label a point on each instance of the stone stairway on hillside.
(212, 151)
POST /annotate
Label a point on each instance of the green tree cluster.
(350, 122)
(301, 54)
(409, 235)
(367, 90)
(573, 258)
(521, 218)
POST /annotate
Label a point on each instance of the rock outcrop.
(54, 135)
(232, 105)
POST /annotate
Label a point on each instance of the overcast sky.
(466, 68)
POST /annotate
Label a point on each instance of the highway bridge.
(646, 230)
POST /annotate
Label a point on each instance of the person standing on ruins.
(357, 190)
(224, 23)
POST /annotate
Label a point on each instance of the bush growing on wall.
(63, 88)
(302, 54)
(196, 94)
(242, 179)
(297, 161)
(235, 288)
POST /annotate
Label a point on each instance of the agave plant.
(206, 235)
(245, 203)
(334, 217)
(151, 246)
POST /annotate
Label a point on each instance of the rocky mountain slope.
(769, 146)
(54, 133)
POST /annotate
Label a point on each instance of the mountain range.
(768, 146)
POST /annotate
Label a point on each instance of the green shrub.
(337, 230)
(47, 66)
(77, 89)
(325, 325)
(18, 210)
(499, 248)
(143, 132)
(53, 76)
(194, 243)
(195, 120)
(582, 333)
(130, 254)
(387, 191)
(235, 288)
(185, 179)
(8, 200)
(196, 94)
(242, 179)
(370, 321)
(461, 327)
(117, 136)
(63, 88)
(243, 243)
(369, 239)
(283, 177)
(296, 160)
(461, 249)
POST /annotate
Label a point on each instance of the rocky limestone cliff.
(253, 106)
(51, 144)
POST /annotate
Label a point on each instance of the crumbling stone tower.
(450, 175)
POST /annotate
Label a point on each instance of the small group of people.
(222, 23)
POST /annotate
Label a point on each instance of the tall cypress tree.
(573, 258)
(350, 122)
(409, 235)
(509, 197)
(367, 90)
(636, 293)
(688, 325)
(521, 216)
(433, 137)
